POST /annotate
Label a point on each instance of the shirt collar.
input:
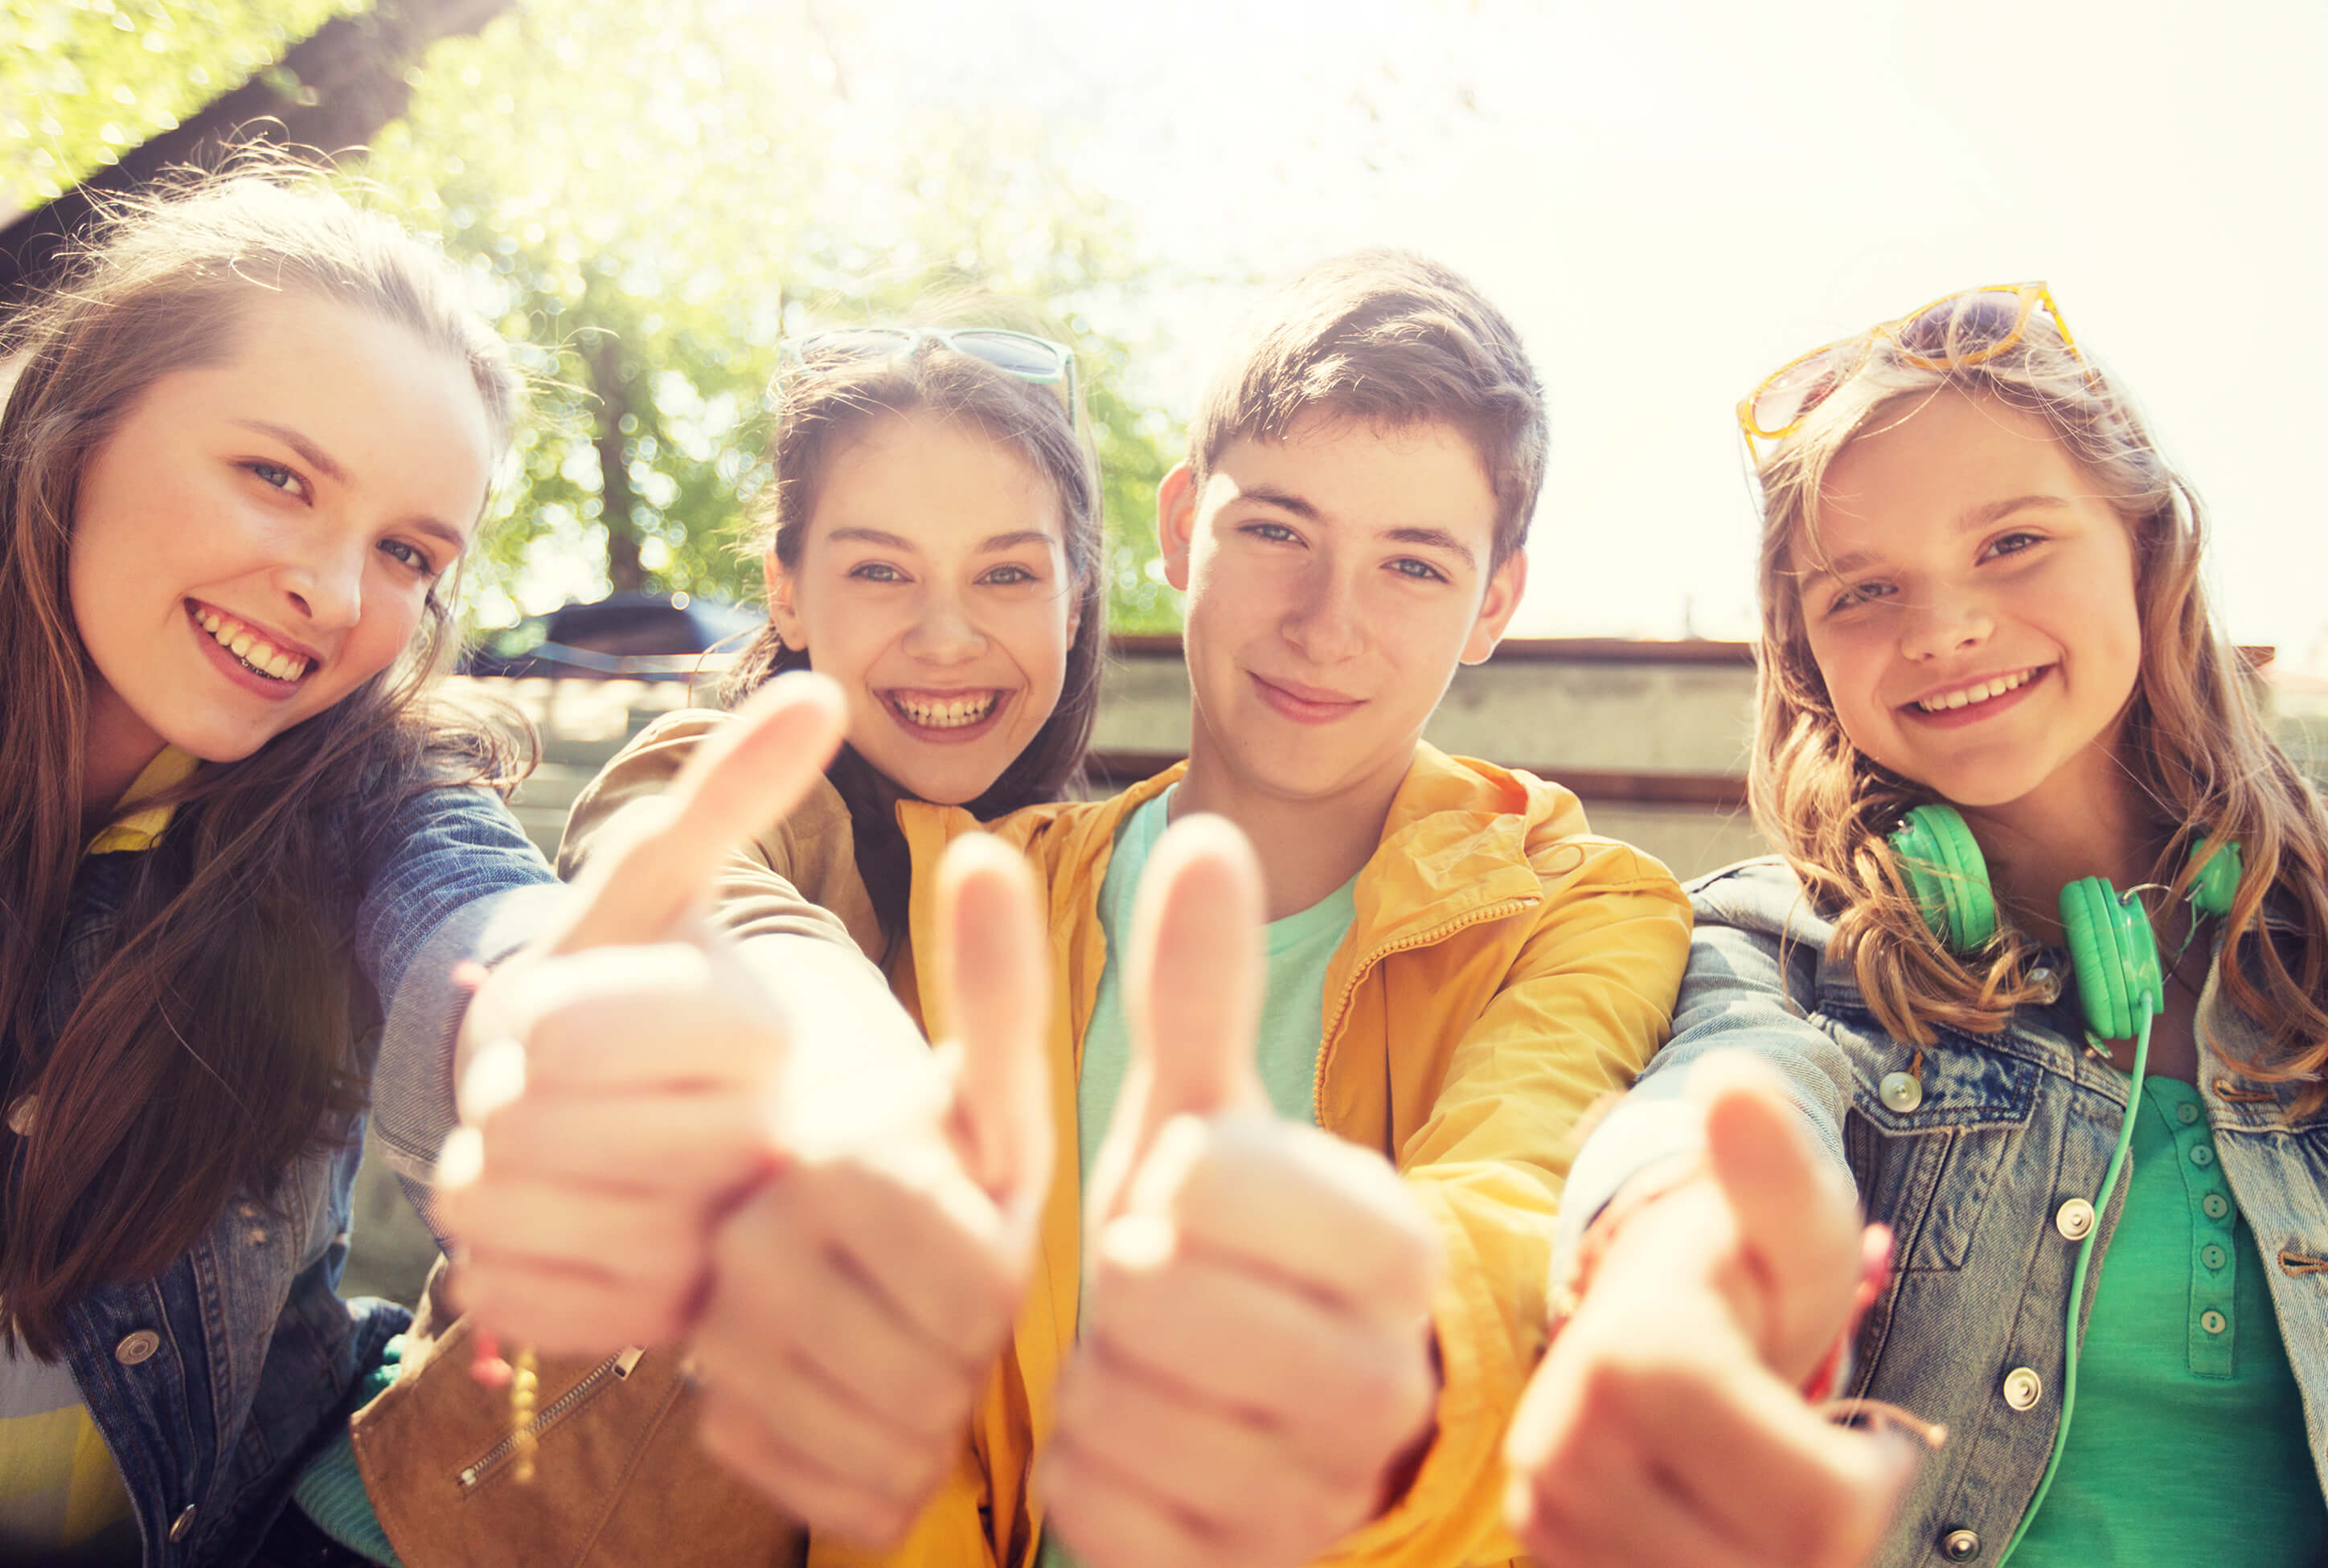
(137, 829)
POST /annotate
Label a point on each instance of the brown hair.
(213, 1042)
(828, 402)
(1393, 339)
(2193, 741)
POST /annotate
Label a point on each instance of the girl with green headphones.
(2039, 983)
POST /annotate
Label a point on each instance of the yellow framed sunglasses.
(1952, 331)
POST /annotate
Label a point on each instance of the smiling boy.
(1455, 971)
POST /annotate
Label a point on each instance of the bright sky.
(1672, 197)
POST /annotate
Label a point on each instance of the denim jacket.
(212, 1381)
(1970, 1161)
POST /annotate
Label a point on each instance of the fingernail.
(1138, 1242)
(496, 1078)
(462, 1160)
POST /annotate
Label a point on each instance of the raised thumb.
(995, 978)
(1797, 1216)
(744, 775)
(1192, 992)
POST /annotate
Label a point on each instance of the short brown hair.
(1394, 339)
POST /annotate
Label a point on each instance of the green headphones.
(2121, 985)
(2120, 982)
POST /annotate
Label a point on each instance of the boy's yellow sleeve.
(1588, 1000)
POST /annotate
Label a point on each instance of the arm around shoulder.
(1751, 986)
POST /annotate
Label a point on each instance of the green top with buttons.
(2188, 1444)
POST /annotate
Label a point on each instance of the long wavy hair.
(822, 406)
(2193, 741)
(214, 1044)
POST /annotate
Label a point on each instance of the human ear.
(790, 630)
(1496, 607)
(1176, 523)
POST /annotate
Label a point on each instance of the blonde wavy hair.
(2194, 739)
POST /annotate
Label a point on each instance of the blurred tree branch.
(333, 91)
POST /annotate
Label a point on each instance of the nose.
(1942, 620)
(943, 632)
(1323, 623)
(326, 583)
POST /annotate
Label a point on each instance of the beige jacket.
(619, 1479)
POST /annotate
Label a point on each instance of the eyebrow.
(887, 541)
(323, 463)
(1429, 537)
(1986, 515)
(315, 456)
(1433, 539)
(1284, 499)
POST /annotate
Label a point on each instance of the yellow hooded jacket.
(1505, 970)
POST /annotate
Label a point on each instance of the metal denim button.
(22, 1112)
(2212, 1321)
(2186, 1112)
(2074, 1218)
(2212, 1256)
(137, 1347)
(184, 1523)
(1901, 1092)
(2022, 1388)
(2202, 1154)
(2215, 1205)
(1960, 1545)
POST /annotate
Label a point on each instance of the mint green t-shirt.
(2188, 1443)
(1293, 1014)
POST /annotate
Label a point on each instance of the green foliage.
(650, 199)
(82, 82)
(658, 197)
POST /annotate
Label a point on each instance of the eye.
(275, 476)
(1010, 576)
(1858, 594)
(1275, 532)
(1420, 571)
(877, 572)
(410, 556)
(2014, 544)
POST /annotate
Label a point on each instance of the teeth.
(1966, 695)
(250, 648)
(954, 713)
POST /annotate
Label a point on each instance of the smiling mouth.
(1980, 692)
(250, 648)
(952, 710)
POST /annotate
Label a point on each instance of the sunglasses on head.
(1952, 332)
(1021, 354)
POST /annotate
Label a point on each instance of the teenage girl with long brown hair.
(2040, 978)
(931, 536)
(248, 441)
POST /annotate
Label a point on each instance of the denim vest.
(1970, 1160)
(211, 1383)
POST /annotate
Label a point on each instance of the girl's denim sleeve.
(456, 878)
(1751, 981)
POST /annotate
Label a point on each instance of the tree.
(650, 199)
(658, 200)
(333, 89)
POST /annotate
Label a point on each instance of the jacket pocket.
(1927, 1158)
(592, 1383)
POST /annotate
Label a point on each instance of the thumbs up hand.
(862, 1294)
(1664, 1427)
(616, 1078)
(1256, 1377)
